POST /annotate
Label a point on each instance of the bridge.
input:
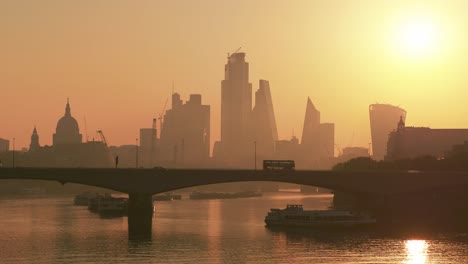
(140, 184)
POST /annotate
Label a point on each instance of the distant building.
(67, 131)
(4, 145)
(287, 149)
(264, 122)
(458, 150)
(67, 151)
(411, 142)
(352, 153)
(383, 118)
(34, 146)
(311, 130)
(236, 112)
(318, 140)
(127, 155)
(326, 147)
(148, 147)
(185, 134)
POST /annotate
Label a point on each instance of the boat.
(109, 206)
(294, 215)
(219, 195)
(83, 198)
(167, 197)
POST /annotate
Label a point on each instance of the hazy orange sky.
(116, 60)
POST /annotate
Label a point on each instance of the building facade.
(383, 118)
(412, 142)
(236, 112)
(185, 133)
(4, 145)
(264, 122)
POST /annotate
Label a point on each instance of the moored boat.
(109, 206)
(83, 198)
(167, 197)
(296, 216)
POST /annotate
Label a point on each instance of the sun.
(418, 37)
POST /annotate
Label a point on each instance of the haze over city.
(119, 61)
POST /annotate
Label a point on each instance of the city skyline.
(298, 64)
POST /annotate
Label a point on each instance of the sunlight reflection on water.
(416, 251)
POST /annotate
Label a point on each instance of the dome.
(67, 131)
(67, 125)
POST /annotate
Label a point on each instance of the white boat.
(294, 215)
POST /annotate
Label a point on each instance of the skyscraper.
(185, 133)
(383, 118)
(318, 140)
(4, 145)
(236, 111)
(311, 129)
(264, 122)
(148, 147)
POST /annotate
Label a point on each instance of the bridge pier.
(140, 216)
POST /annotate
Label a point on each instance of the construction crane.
(338, 148)
(237, 50)
(161, 118)
(103, 138)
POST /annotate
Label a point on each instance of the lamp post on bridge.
(14, 148)
(136, 153)
(255, 155)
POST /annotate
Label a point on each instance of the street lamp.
(136, 154)
(13, 152)
(255, 155)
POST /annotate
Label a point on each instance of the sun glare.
(418, 37)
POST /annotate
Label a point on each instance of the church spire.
(34, 141)
(67, 109)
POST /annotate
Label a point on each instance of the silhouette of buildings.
(318, 140)
(352, 153)
(34, 146)
(236, 112)
(458, 150)
(127, 155)
(382, 122)
(67, 131)
(266, 133)
(4, 145)
(310, 131)
(185, 133)
(288, 149)
(148, 146)
(67, 150)
(411, 142)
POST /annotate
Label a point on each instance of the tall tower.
(236, 111)
(264, 122)
(34, 141)
(310, 132)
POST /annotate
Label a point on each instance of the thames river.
(52, 230)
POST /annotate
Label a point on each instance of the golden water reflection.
(416, 251)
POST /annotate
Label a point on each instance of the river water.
(52, 230)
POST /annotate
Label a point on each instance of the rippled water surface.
(52, 230)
